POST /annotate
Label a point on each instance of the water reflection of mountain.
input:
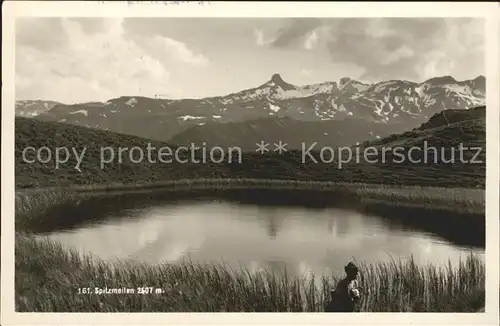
(273, 219)
(339, 223)
(273, 225)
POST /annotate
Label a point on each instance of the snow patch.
(334, 105)
(359, 87)
(458, 88)
(465, 93)
(84, 112)
(275, 92)
(131, 102)
(309, 90)
(296, 93)
(381, 86)
(274, 108)
(420, 90)
(216, 116)
(379, 106)
(430, 101)
(190, 117)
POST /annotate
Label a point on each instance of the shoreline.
(361, 191)
(35, 206)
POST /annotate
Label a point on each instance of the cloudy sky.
(96, 59)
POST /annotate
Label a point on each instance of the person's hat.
(351, 268)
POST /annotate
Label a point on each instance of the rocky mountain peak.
(442, 80)
(479, 82)
(344, 80)
(278, 80)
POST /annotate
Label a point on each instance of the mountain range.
(330, 113)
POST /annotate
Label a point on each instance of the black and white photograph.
(251, 164)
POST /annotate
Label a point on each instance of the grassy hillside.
(449, 117)
(445, 132)
(37, 134)
(290, 165)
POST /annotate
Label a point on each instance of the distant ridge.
(397, 104)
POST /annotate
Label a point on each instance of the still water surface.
(302, 240)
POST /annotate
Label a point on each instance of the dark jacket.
(341, 300)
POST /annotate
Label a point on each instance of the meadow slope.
(292, 165)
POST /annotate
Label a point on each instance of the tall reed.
(48, 277)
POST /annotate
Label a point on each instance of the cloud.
(400, 53)
(76, 60)
(42, 33)
(386, 48)
(178, 50)
(306, 72)
(311, 40)
(260, 39)
(295, 29)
